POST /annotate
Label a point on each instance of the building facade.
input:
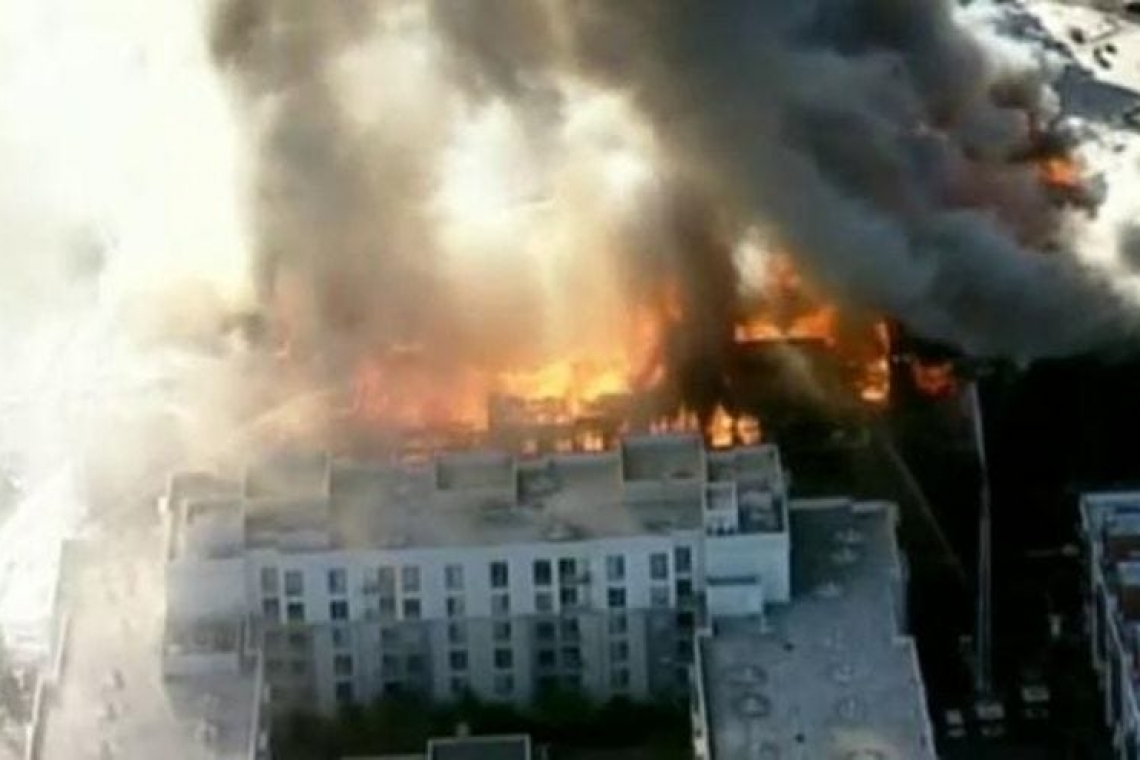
(1110, 527)
(481, 573)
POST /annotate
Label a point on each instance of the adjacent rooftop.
(829, 675)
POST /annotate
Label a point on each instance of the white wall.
(205, 589)
(766, 555)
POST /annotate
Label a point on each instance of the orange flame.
(1060, 172)
(934, 380)
(395, 388)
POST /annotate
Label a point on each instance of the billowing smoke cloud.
(882, 143)
(878, 141)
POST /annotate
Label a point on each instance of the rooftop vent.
(753, 704)
(560, 531)
(851, 709)
(828, 590)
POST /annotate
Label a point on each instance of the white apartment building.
(480, 572)
(1110, 526)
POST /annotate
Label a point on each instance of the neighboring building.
(481, 572)
(828, 674)
(513, 747)
(1110, 524)
(124, 683)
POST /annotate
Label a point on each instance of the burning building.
(573, 238)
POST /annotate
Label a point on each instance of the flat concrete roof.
(827, 675)
(480, 748)
(112, 700)
(648, 485)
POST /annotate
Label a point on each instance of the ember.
(934, 380)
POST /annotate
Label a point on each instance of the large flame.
(399, 388)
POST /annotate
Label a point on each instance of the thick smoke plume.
(500, 180)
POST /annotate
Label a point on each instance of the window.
(499, 574)
(619, 651)
(684, 590)
(542, 572)
(619, 679)
(272, 639)
(389, 636)
(295, 612)
(500, 604)
(454, 606)
(504, 685)
(453, 577)
(410, 579)
(460, 686)
(342, 665)
(274, 667)
(344, 692)
(544, 631)
(269, 581)
(457, 659)
(684, 649)
(682, 560)
(501, 630)
(543, 602)
(615, 568)
(387, 607)
(616, 598)
(686, 620)
(390, 664)
(298, 667)
(386, 580)
(659, 596)
(416, 664)
(456, 633)
(339, 637)
(294, 583)
(393, 688)
(571, 657)
(566, 569)
(411, 609)
(618, 625)
(271, 609)
(298, 640)
(571, 631)
(658, 566)
(546, 658)
(338, 609)
(504, 659)
(568, 596)
(338, 581)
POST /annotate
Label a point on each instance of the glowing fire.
(935, 380)
(1060, 172)
(400, 389)
(725, 430)
(790, 311)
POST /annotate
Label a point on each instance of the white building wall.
(592, 583)
(206, 589)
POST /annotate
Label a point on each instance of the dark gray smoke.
(877, 140)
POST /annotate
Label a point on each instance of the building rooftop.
(117, 695)
(647, 485)
(480, 748)
(828, 675)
